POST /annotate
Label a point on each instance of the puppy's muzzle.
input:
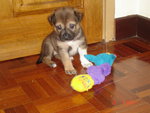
(66, 36)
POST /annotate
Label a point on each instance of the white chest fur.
(74, 47)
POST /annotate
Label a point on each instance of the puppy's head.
(66, 22)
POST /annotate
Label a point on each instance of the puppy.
(66, 40)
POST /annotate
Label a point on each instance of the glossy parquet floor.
(29, 88)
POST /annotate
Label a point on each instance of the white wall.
(131, 7)
(144, 8)
(125, 7)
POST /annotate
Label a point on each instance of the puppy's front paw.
(71, 71)
(86, 64)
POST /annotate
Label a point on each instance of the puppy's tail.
(40, 59)
(42, 54)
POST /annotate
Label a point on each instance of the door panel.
(34, 6)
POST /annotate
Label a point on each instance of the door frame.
(108, 20)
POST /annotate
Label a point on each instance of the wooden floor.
(29, 88)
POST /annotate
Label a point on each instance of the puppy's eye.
(59, 27)
(72, 26)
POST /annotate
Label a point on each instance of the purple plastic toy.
(98, 73)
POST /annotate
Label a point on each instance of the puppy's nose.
(66, 36)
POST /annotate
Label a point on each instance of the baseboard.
(143, 25)
(126, 27)
(133, 25)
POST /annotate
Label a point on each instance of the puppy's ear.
(52, 19)
(79, 15)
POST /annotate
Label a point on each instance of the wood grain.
(29, 88)
(24, 7)
(93, 13)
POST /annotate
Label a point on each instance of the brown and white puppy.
(66, 40)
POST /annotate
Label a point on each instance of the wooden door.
(23, 24)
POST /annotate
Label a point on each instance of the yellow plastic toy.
(82, 83)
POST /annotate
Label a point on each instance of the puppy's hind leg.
(47, 60)
(48, 53)
(58, 57)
